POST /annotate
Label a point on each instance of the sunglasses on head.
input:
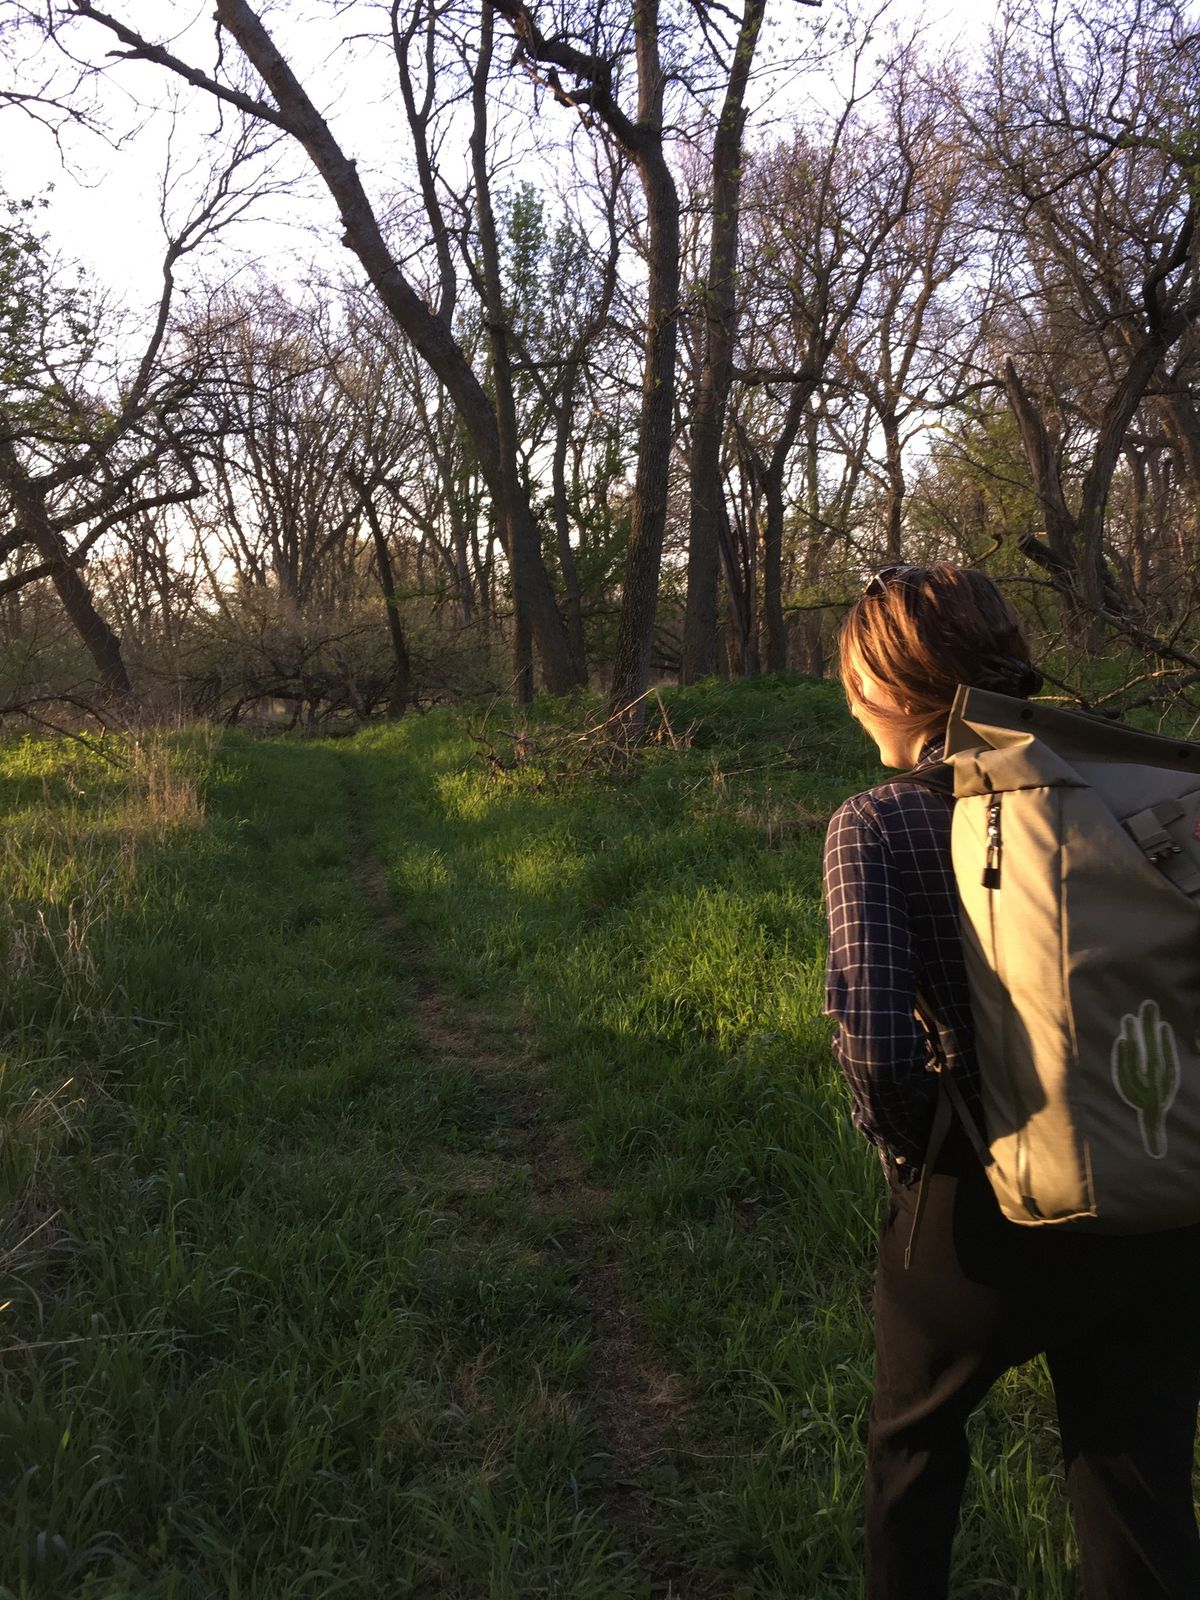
(896, 574)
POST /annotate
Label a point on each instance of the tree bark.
(642, 140)
(430, 334)
(1139, 552)
(400, 694)
(771, 474)
(572, 597)
(1076, 542)
(512, 502)
(1183, 427)
(893, 514)
(635, 630)
(1097, 482)
(1059, 555)
(99, 639)
(816, 545)
(738, 558)
(712, 392)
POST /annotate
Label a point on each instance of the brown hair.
(921, 631)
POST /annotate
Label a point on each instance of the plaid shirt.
(893, 933)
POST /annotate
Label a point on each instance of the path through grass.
(297, 1325)
(437, 1182)
(663, 935)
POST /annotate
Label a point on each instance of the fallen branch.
(25, 708)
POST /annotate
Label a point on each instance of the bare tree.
(820, 210)
(911, 350)
(571, 371)
(88, 442)
(591, 56)
(291, 110)
(716, 365)
(1086, 122)
(283, 435)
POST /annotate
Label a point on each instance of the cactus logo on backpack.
(1145, 1069)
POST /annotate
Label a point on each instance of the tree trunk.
(642, 140)
(1139, 551)
(1043, 466)
(1075, 544)
(572, 599)
(431, 336)
(816, 546)
(712, 393)
(400, 694)
(771, 475)
(635, 629)
(776, 626)
(102, 643)
(893, 516)
(1097, 482)
(1059, 556)
(99, 639)
(1183, 427)
(513, 509)
(738, 561)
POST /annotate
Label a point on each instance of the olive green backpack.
(1076, 847)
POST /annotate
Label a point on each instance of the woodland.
(624, 346)
(423, 1170)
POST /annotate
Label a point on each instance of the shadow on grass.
(662, 940)
(276, 1347)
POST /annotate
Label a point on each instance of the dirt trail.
(636, 1402)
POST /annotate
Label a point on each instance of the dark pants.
(1119, 1322)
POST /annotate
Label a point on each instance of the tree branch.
(140, 49)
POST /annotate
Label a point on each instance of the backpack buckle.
(1168, 848)
(1149, 830)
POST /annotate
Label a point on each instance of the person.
(1117, 1318)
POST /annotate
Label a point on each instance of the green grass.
(664, 936)
(298, 1318)
(268, 1345)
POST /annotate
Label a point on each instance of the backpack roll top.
(1076, 849)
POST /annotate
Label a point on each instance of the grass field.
(422, 1178)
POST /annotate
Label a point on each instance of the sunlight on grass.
(244, 1282)
(283, 1316)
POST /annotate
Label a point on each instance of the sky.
(105, 197)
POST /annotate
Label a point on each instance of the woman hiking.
(1117, 1318)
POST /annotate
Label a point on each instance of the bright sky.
(105, 203)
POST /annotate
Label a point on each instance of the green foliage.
(974, 490)
(1145, 1069)
(550, 272)
(554, 286)
(525, 250)
(47, 319)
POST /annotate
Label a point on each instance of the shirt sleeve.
(871, 988)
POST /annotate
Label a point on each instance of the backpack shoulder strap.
(937, 777)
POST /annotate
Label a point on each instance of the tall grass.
(289, 1308)
(661, 932)
(265, 1339)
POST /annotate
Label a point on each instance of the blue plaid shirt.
(893, 933)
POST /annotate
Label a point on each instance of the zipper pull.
(991, 869)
